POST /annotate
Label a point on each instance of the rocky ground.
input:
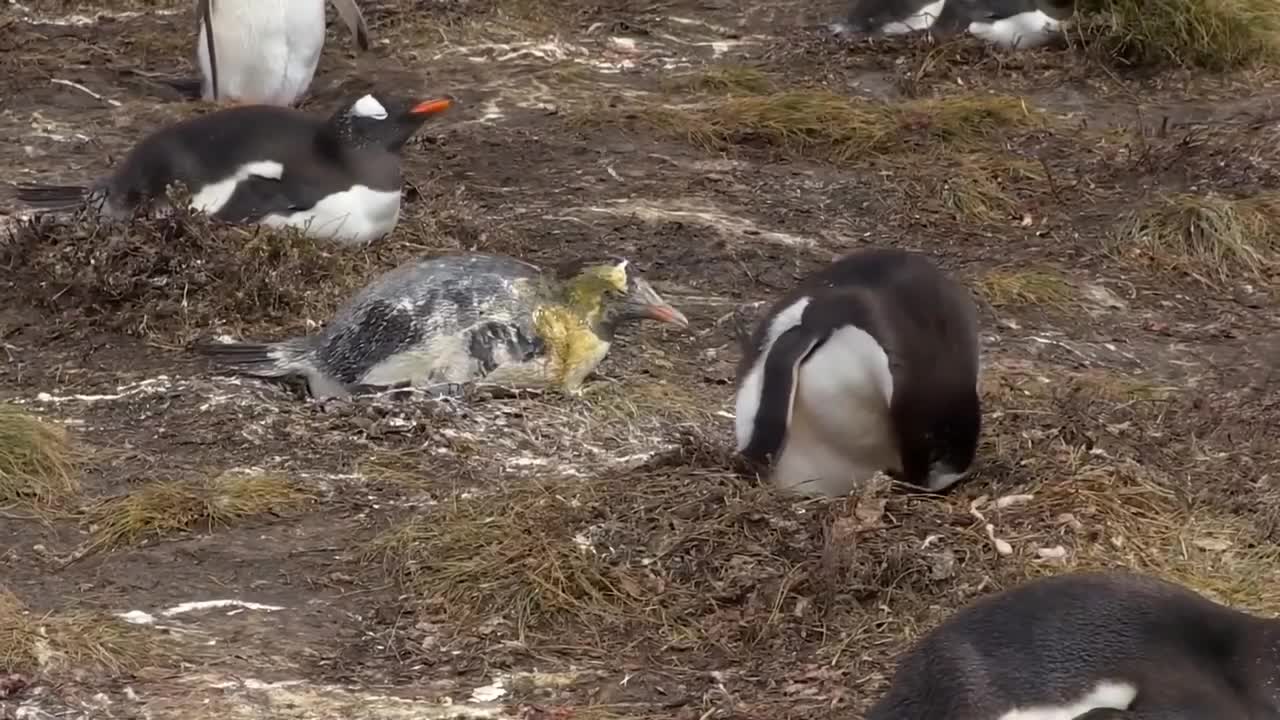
(210, 547)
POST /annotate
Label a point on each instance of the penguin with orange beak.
(336, 178)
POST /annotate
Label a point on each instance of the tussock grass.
(1211, 238)
(724, 79)
(1002, 288)
(983, 188)
(68, 640)
(157, 509)
(1211, 34)
(36, 459)
(838, 127)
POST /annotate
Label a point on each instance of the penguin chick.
(336, 179)
(1108, 645)
(255, 52)
(461, 318)
(870, 364)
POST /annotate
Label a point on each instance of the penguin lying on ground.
(869, 365)
(1006, 23)
(337, 178)
(1091, 646)
(460, 318)
(252, 51)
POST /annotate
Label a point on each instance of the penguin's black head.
(383, 122)
(953, 439)
(609, 293)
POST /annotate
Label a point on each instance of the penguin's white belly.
(447, 359)
(1024, 30)
(841, 432)
(922, 19)
(267, 52)
(357, 216)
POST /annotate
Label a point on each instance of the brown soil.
(1130, 401)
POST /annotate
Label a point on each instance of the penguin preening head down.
(1110, 645)
(250, 51)
(461, 318)
(870, 364)
(334, 178)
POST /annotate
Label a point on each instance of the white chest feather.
(1024, 30)
(921, 19)
(357, 216)
(1107, 694)
(266, 51)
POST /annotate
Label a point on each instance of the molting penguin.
(1091, 646)
(250, 51)
(460, 318)
(870, 364)
(337, 178)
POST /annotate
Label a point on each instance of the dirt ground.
(606, 556)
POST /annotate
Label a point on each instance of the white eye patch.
(368, 107)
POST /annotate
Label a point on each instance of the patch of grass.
(838, 127)
(69, 640)
(1212, 34)
(1041, 288)
(175, 278)
(979, 187)
(36, 459)
(1211, 238)
(724, 79)
(157, 509)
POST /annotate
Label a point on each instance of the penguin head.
(953, 440)
(379, 121)
(610, 293)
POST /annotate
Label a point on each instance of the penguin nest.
(177, 277)
(1210, 34)
(69, 640)
(36, 463)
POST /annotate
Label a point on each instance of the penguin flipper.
(778, 390)
(351, 15)
(257, 196)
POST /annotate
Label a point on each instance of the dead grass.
(838, 127)
(36, 460)
(74, 640)
(1040, 288)
(1212, 34)
(1211, 238)
(976, 187)
(158, 509)
(722, 79)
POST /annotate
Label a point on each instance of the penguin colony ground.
(869, 365)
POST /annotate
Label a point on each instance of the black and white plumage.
(460, 318)
(265, 52)
(335, 178)
(1006, 23)
(1091, 646)
(870, 364)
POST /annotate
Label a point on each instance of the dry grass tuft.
(978, 187)
(838, 127)
(1211, 34)
(174, 278)
(68, 641)
(1042, 288)
(157, 509)
(36, 460)
(1211, 238)
(723, 79)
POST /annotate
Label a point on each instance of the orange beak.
(431, 107)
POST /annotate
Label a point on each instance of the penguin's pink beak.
(431, 107)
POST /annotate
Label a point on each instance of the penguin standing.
(258, 52)
(337, 178)
(461, 318)
(870, 364)
(1091, 646)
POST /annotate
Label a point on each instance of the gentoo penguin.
(336, 178)
(900, 17)
(1006, 23)
(1091, 646)
(255, 52)
(870, 364)
(459, 318)
(1016, 24)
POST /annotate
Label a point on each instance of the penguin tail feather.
(778, 390)
(52, 197)
(271, 360)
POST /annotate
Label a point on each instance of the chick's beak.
(431, 107)
(647, 303)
